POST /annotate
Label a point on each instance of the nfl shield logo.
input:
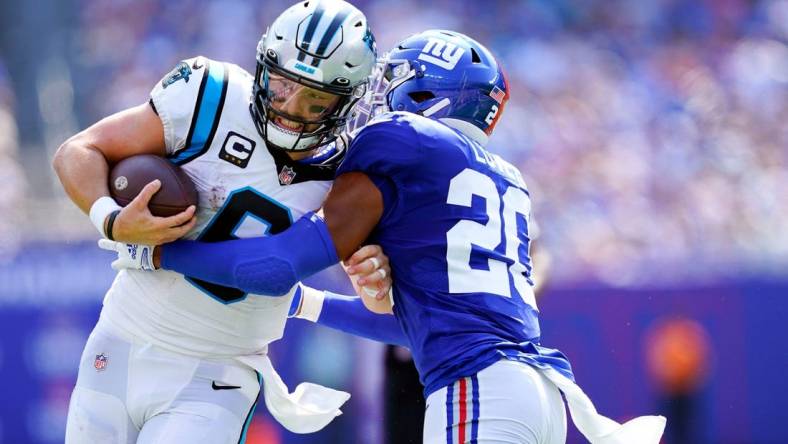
(286, 176)
(101, 362)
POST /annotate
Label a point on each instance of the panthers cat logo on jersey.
(181, 71)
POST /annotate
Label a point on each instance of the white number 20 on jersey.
(466, 233)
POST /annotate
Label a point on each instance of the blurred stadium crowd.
(653, 133)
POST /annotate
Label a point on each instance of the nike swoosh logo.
(224, 387)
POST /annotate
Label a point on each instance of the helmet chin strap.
(468, 129)
(280, 138)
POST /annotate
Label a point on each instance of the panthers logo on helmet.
(369, 39)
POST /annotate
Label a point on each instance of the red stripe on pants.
(463, 413)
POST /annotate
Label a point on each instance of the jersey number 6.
(240, 204)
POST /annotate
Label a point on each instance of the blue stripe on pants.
(475, 417)
(245, 429)
(449, 414)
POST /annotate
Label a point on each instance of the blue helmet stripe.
(310, 31)
(331, 31)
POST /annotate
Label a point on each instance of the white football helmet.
(313, 65)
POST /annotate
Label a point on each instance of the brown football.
(130, 175)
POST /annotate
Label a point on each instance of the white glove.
(130, 256)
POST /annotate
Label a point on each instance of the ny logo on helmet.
(442, 53)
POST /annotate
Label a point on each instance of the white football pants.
(137, 393)
(506, 403)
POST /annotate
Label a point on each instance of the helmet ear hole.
(475, 56)
(421, 96)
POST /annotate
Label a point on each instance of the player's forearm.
(82, 162)
(348, 314)
(83, 171)
(270, 265)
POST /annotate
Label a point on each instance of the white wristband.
(99, 211)
(311, 303)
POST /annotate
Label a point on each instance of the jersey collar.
(291, 171)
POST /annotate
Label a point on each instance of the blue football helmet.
(443, 75)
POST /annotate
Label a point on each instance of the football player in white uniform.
(179, 360)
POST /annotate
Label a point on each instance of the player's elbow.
(60, 158)
(65, 154)
(269, 276)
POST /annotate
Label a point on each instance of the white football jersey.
(245, 190)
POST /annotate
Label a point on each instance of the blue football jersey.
(455, 227)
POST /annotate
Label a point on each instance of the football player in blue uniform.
(454, 221)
